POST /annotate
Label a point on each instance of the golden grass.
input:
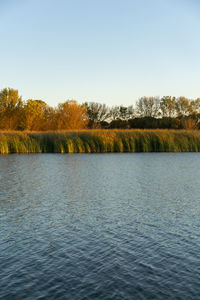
(100, 141)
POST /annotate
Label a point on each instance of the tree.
(35, 114)
(167, 106)
(97, 113)
(71, 115)
(10, 108)
(121, 113)
(148, 107)
(114, 113)
(183, 107)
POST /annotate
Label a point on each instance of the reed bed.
(100, 141)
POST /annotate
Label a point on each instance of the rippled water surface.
(105, 226)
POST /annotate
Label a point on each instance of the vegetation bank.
(100, 141)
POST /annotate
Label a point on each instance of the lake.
(100, 226)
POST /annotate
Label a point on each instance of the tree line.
(148, 112)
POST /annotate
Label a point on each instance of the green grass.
(100, 141)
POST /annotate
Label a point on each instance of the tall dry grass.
(100, 141)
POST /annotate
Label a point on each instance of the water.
(105, 226)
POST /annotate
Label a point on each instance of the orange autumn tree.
(71, 115)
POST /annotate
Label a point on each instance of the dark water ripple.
(106, 226)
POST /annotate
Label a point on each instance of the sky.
(106, 51)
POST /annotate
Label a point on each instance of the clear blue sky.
(108, 51)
